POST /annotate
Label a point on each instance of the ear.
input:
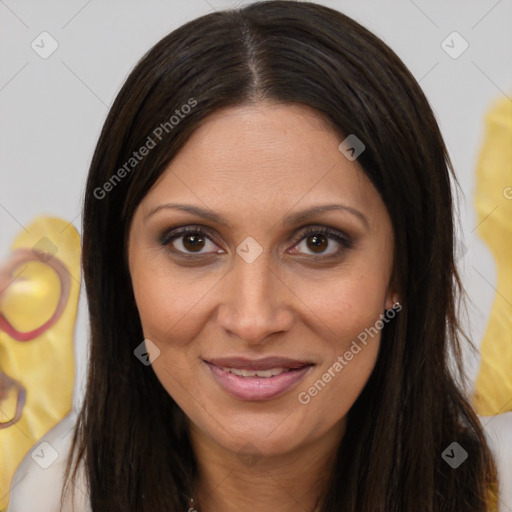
(392, 296)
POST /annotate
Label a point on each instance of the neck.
(286, 482)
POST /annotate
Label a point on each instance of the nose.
(255, 301)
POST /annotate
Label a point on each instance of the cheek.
(169, 313)
(350, 309)
(344, 304)
(349, 350)
(328, 397)
(168, 302)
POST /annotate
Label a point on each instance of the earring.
(395, 308)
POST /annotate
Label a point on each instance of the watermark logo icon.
(454, 455)
(44, 45)
(454, 45)
(249, 454)
(147, 352)
(460, 249)
(352, 147)
(44, 249)
(44, 455)
(249, 249)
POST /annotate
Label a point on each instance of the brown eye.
(190, 240)
(193, 242)
(317, 243)
(320, 240)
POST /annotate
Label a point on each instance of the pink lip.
(258, 388)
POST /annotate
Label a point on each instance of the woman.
(268, 256)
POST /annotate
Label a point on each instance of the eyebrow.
(289, 219)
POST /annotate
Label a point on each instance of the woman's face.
(257, 277)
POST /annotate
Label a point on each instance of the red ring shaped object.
(6, 383)
(18, 257)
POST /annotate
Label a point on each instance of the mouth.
(257, 379)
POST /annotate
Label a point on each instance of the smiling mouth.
(259, 379)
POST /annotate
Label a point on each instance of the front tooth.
(254, 373)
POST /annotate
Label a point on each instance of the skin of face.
(254, 165)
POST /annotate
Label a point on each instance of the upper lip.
(266, 363)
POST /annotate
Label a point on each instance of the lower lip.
(257, 388)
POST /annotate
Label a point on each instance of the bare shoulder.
(38, 481)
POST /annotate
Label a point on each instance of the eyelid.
(173, 233)
(340, 236)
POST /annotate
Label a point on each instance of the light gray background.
(52, 110)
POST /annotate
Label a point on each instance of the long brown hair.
(131, 435)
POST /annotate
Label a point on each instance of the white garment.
(498, 432)
(38, 489)
(35, 488)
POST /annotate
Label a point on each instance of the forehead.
(262, 139)
(262, 156)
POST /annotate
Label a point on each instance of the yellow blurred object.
(39, 290)
(493, 393)
(30, 302)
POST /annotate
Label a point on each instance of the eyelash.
(338, 236)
